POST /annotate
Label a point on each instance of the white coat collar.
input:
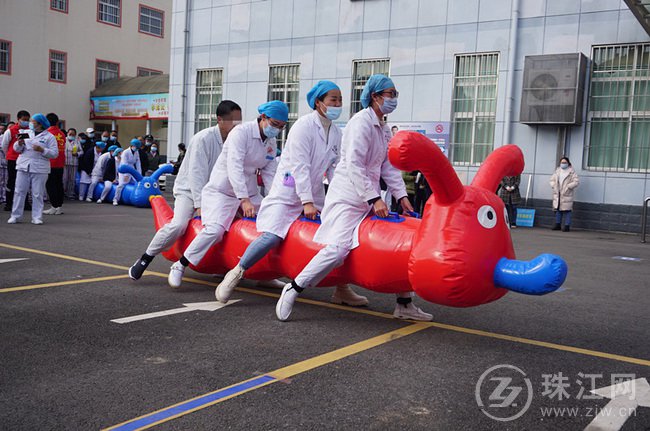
(373, 117)
(315, 117)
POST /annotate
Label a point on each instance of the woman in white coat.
(563, 182)
(33, 167)
(311, 151)
(249, 147)
(130, 157)
(354, 193)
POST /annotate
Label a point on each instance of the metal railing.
(644, 219)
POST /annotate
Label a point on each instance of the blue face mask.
(24, 124)
(32, 127)
(390, 104)
(104, 138)
(333, 112)
(271, 132)
(564, 165)
(113, 138)
(83, 141)
(71, 138)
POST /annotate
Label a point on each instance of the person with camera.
(34, 149)
(8, 140)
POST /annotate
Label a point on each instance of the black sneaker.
(138, 268)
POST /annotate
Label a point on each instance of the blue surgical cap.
(40, 118)
(320, 90)
(136, 142)
(112, 147)
(274, 109)
(100, 144)
(117, 152)
(376, 84)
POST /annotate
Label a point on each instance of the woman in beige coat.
(563, 182)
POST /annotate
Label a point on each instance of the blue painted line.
(192, 404)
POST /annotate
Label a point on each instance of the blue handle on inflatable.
(317, 221)
(413, 214)
(196, 218)
(253, 219)
(393, 217)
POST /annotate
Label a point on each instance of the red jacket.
(59, 162)
(11, 154)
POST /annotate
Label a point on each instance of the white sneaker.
(115, 203)
(345, 295)
(271, 284)
(12, 220)
(175, 277)
(37, 221)
(411, 312)
(89, 199)
(99, 201)
(228, 284)
(58, 211)
(285, 303)
(50, 211)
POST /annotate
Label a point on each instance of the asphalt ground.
(65, 365)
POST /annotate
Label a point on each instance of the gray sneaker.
(226, 287)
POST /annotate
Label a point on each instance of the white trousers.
(168, 234)
(323, 263)
(23, 181)
(93, 184)
(107, 189)
(209, 235)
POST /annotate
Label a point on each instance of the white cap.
(90, 130)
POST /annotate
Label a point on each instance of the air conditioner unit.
(553, 89)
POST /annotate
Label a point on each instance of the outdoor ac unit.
(553, 89)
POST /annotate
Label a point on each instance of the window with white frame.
(5, 56)
(362, 70)
(60, 5)
(209, 92)
(143, 71)
(618, 117)
(474, 107)
(284, 85)
(152, 21)
(109, 11)
(105, 71)
(58, 62)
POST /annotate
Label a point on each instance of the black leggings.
(54, 187)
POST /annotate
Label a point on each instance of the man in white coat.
(202, 153)
(130, 157)
(97, 174)
(33, 167)
(250, 147)
(354, 193)
(311, 152)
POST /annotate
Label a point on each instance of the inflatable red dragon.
(459, 254)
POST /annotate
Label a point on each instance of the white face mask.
(564, 165)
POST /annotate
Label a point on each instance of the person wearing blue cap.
(97, 174)
(33, 167)
(311, 151)
(355, 192)
(110, 172)
(249, 148)
(130, 157)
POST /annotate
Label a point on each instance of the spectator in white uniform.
(97, 175)
(354, 192)
(33, 167)
(311, 152)
(130, 157)
(250, 147)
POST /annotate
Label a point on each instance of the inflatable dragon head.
(138, 195)
(462, 253)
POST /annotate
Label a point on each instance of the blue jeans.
(258, 249)
(567, 217)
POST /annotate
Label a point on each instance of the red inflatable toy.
(459, 254)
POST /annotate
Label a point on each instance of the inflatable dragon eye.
(506, 218)
(155, 185)
(146, 185)
(487, 216)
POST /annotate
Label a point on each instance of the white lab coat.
(202, 154)
(308, 156)
(234, 175)
(33, 161)
(364, 160)
(129, 158)
(100, 166)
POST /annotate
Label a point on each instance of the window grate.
(60, 5)
(151, 21)
(284, 85)
(209, 92)
(362, 70)
(618, 117)
(474, 107)
(109, 11)
(57, 66)
(105, 71)
(5, 56)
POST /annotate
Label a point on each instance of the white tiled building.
(252, 50)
